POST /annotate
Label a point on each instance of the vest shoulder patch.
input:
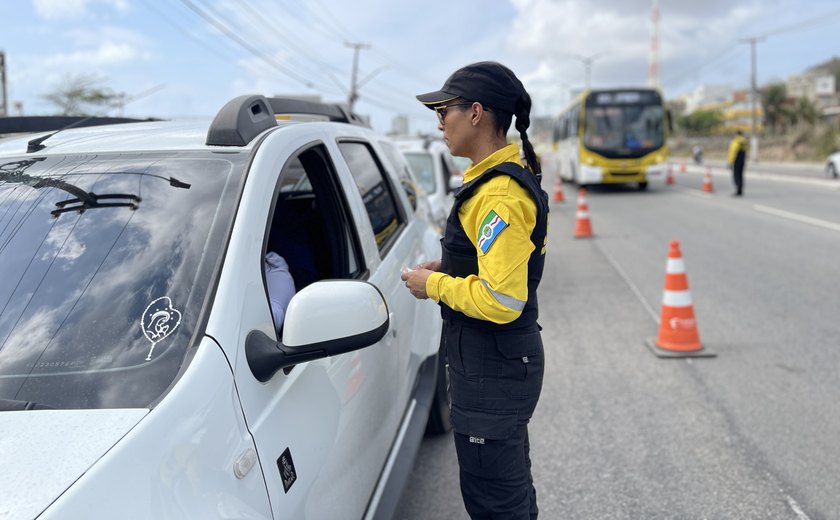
(490, 229)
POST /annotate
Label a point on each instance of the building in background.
(399, 125)
(705, 95)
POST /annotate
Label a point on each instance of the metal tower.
(653, 67)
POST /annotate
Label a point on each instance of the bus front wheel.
(643, 186)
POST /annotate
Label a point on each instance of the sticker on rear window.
(159, 321)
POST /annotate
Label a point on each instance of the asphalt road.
(622, 434)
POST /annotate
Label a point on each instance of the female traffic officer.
(493, 251)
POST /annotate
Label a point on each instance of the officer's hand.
(432, 265)
(415, 280)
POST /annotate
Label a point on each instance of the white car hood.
(45, 451)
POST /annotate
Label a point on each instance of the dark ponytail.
(523, 121)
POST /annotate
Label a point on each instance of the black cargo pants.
(495, 381)
(738, 172)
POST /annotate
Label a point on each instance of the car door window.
(385, 218)
(310, 226)
(403, 172)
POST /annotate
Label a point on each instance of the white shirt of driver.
(281, 287)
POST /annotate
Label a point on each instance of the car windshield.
(107, 262)
(423, 168)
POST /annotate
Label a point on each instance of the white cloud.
(60, 9)
(555, 38)
(70, 9)
(106, 55)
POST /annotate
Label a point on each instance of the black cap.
(490, 83)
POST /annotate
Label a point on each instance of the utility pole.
(753, 95)
(354, 86)
(587, 64)
(4, 108)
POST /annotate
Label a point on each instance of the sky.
(186, 58)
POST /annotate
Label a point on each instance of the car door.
(421, 242)
(317, 427)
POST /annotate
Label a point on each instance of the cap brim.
(435, 98)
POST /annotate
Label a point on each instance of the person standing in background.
(738, 149)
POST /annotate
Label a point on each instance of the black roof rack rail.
(240, 120)
(332, 111)
(244, 117)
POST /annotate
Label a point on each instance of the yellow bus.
(609, 136)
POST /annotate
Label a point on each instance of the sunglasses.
(441, 110)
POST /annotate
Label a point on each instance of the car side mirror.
(324, 319)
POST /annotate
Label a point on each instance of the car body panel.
(38, 467)
(178, 461)
(832, 165)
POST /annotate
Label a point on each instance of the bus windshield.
(625, 127)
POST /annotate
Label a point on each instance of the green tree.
(701, 122)
(82, 95)
(773, 99)
(806, 112)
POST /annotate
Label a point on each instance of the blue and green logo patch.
(490, 229)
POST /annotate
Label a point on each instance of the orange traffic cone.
(581, 195)
(558, 190)
(669, 179)
(583, 227)
(682, 167)
(707, 181)
(678, 336)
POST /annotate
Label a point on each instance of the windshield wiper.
(86, 199)
(14, 172)
(13, 405)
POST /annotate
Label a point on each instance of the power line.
(697, 67)
(182, 30)
(804, 24)
(274, 29)
(247, 46)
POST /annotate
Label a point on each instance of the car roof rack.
(240, 120)
(333, 111)
(245, 117)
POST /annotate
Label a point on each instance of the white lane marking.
(796, 216)
(831, 184)
(800, 514)
(630, 283)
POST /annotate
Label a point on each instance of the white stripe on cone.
(675, 266)
(676, 298)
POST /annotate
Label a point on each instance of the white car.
(435, 171)
(140, 372)
(832, 166)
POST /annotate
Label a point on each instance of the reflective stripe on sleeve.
(504, 299)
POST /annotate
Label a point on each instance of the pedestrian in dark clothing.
(738, 148)
(493, 252)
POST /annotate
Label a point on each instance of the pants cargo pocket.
(481, 438)
(521, 365)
